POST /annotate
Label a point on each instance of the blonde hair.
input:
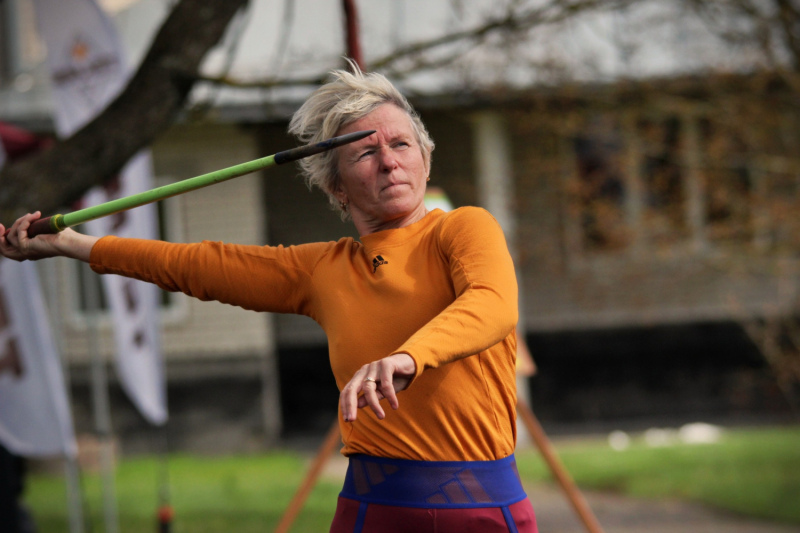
(348, 97)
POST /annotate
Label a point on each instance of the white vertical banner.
(35, 419)
(88, 70)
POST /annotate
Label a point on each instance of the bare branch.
(742, 22)
(789, 20)
(415, 57)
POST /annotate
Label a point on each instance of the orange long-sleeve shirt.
(442, 290)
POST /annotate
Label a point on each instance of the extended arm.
(257, 278)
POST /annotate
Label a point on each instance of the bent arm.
(483, 314)
(485, 310)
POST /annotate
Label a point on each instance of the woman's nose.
(388, 161)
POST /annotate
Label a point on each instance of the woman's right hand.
(15, 244)
(380, 379)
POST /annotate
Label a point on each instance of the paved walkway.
(619, 514)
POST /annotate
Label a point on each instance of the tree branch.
(146, 107)
(512, 23)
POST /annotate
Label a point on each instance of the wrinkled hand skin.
(391, 375)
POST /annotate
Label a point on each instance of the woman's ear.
(340, 196)
(426, 158)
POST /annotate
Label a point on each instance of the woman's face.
(382, 177)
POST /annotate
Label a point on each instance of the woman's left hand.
(18, 246)
(381, 379)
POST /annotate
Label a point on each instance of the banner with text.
(35, 418)
(88, 70)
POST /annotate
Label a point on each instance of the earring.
(343, 206)
(428, 178)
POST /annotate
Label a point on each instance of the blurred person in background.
(14, 516)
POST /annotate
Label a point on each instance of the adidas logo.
(378, 261)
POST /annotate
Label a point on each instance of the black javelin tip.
(310, 149)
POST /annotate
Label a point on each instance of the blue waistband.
(433, 484)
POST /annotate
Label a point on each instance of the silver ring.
(371, 380)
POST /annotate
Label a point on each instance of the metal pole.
(100, 402)
(352, 34)
(74, 495)
(495, 184)
(71, 470)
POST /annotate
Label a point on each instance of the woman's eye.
(366, 154)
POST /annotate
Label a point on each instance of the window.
(599, 186)
(728, 184)
(666, 182)
(168, 229)
(780, 228)
(661, 173)
(21, 48)
(6, 43)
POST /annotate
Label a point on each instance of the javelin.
(57, 223)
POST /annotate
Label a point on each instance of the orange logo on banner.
(80, 50)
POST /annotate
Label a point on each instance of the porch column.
(495, 184)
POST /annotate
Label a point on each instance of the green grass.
(208, 494)
(756, 473)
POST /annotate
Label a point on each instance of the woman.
(423, 303)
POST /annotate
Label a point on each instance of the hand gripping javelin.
(57, 223)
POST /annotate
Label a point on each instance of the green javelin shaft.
(56, 223)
